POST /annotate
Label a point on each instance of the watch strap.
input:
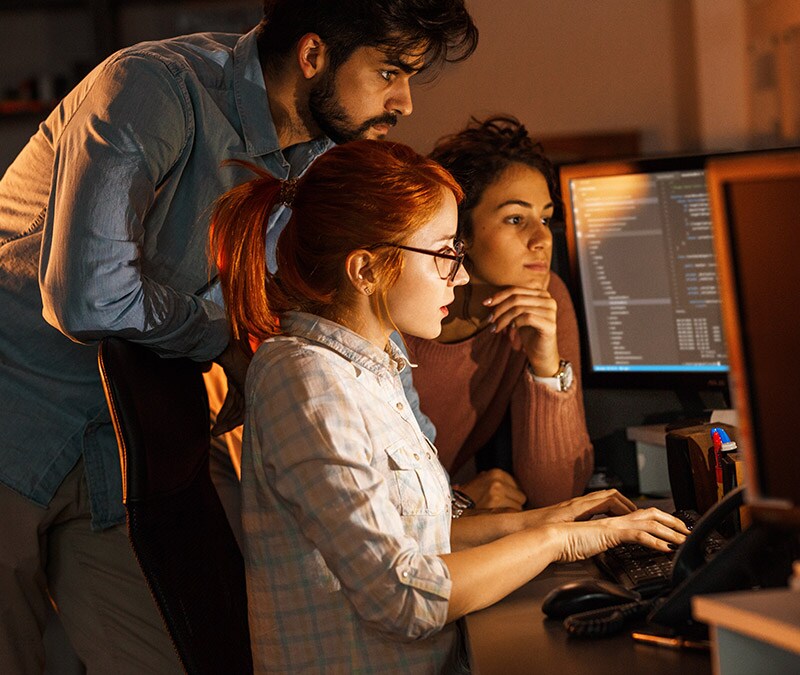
(561, 381)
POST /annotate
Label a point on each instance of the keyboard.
(645, 570)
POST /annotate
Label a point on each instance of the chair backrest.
(176, 523)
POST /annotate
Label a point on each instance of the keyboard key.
(645, 570)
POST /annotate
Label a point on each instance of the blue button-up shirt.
(103, 231)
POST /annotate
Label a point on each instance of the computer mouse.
(583, 595)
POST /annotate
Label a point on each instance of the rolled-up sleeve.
(111, 156)
(316, 453)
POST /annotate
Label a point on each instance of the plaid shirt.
(346, 509)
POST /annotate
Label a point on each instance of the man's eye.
(388, 75)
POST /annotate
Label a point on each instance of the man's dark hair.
(443, 27)
(478, 154)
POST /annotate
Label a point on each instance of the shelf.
(99, 22)
(23, 108)
(46, 5)
(43, 5)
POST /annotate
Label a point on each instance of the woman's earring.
(368, 290)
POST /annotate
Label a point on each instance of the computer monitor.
(642, 262)
(755, 205)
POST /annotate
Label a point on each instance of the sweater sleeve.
(552, 454)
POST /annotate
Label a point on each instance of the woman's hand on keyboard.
(608, 502)
(649, 527)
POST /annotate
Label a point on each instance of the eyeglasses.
(447, 264)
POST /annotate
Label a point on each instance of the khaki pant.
(225, 459)
(93, 580)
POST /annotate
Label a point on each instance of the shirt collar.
(252, 103)
(350, 345)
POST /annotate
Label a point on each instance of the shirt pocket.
(414, 480)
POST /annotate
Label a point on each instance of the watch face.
(565, 376)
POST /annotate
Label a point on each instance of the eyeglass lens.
(446, 267)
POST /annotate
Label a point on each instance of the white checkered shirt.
(346, 509)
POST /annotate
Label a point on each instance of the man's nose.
(400, 100)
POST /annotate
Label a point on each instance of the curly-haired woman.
(510, 347)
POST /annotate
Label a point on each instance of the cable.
(607, 620)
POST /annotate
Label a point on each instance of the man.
(103, 227)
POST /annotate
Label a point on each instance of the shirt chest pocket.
(413, 474)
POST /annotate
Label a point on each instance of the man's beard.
(331, 118)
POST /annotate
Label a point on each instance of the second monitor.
(641, 251)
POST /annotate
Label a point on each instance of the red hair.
(353, 197)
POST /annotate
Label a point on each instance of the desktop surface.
(514, 636)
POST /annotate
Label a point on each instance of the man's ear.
(359, 268)
(312, 55)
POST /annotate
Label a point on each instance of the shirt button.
(416, 456)
(399, 406)
(429, 455)
(405, 575)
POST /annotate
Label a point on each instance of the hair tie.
(287, 191)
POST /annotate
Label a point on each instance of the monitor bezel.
(721, 172)
(696, 381)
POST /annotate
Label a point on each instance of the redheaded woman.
(354, 560)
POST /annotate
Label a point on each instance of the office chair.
(176, 523)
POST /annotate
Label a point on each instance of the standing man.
(103, 229)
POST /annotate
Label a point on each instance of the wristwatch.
(564, 375)
(561, 381)
(461, 502)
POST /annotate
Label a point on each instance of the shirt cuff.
(426, 580)
(549, 382)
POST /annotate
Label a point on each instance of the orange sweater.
(466, 388)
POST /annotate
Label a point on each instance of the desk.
(753, 632)
(513, 637)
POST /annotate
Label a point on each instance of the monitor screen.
(756, 212)
(641, 251)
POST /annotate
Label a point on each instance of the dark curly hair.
(444, 27)
(478, 154)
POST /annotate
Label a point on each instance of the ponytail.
(238, 247)
(358, 195)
